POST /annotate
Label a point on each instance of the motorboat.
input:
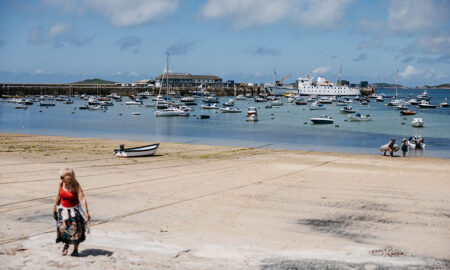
(423, 96)
(212, 99)
(407, 112)
(322, 120)
(341, 103)
(379, 98)
(135, 113)
(385, 148)
(171, 111)
(229, 103)
(364, 102)
(47, 104)
(276, 102)
(444, 104)
(260, 99)
(241, 97)
(425, 104)
(401, 107)
(187, 99)
(301, 102)
(141, 151)
(22, 107)
(106, 103)
(317, 106)
(417, 122)
(347, 109)
(413, 101)
(326, 100)
(252, 114)
(68, 101)
(133, 102)
(290, 100)
(98, 108)
(210, 107)
(268, 106)
(230, 110)
(84, 107)
(92, 101)
(359, 117)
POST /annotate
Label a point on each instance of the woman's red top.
(68, 199)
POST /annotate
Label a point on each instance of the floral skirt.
(71, 230)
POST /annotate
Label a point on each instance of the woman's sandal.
(65, 250)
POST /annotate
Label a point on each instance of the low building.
(189, 80)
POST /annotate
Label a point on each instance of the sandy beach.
(217, 207)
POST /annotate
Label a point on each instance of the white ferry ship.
(322, 87)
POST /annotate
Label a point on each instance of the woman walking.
(70, 216)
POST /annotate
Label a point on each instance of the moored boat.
(444, 104)
(347, 109)
(252, 114)
(359, 117)
(425, 104)
(407, 112)
(322, 120)
(230, 110)
(141, 151)
(417, 122)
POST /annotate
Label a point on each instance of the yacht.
(444, 104)
(417, 122)
(322, 120)
(426, 104)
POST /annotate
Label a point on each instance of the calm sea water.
(280, 128)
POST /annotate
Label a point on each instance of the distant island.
(386, 85)
(94, 81)
(440, 86)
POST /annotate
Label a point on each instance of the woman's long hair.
(68, 173)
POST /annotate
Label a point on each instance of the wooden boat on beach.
(141, 151)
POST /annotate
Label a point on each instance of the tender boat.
(141, 151)
(276, 102)
(414, 144)
(210, 107)
(417, 122)
(322, 120)
(46, 104)
(347, 109)
(230, 110)
(229, 103)
(359, 117)
(132, 102)
(385, 148)
(425, 104)
(407, 112)
(317, 106)
(252, 114)
(171, 111)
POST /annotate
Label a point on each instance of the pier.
(16, 89)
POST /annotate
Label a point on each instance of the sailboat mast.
(167, 74)
(340, 73)
(396, 85)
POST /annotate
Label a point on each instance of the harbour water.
(284, 127)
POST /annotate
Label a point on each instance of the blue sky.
(58, 41)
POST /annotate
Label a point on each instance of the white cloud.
(59, 34)
(367, 26)
(435, 43)
(408, 16)
(326, 13)
(410, 71)
(133, 74)
(38, 71)
(322, 70)
(120, 12)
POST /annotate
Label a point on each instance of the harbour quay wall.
(15, 89)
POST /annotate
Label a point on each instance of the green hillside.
(441, 86)
(385, 85)
(94, 81)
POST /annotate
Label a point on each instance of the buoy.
(403, 123)
(336, 125)
(345, 120)
(305, 123)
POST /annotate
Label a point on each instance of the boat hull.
(142, 151)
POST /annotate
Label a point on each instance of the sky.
(61, 41)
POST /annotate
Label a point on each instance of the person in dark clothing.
(391, 147)
(404, 147)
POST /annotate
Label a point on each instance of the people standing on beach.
(391, 147)
(71, 217)
(404, 146)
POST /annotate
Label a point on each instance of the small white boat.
(359, 117)
(187, 99)
(385, 148)
(230, 110)
(322, 120)
(132, 102)
(413, 101)
(290, 100)
(401, 107)
(22, 107)
(444, 104)
(229, 103)
(426, 104)
(135, 113)
(252, 114)
(210, 107)
(317, 106)
(347, 109)
(276, 102)
(141, 151)
(416, 146)
(170, 112)
(241, 97)
(417, 122)
(379, 99)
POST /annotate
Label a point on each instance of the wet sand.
(216, 207)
